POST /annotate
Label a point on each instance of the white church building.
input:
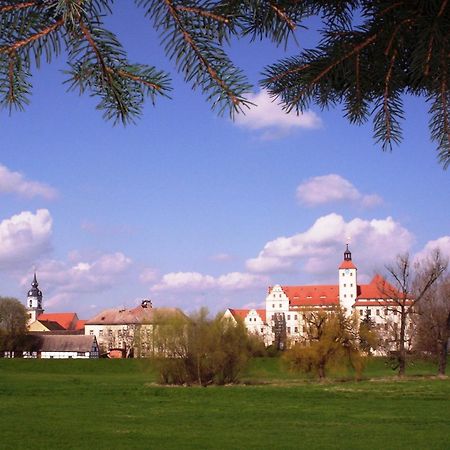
(289, 304)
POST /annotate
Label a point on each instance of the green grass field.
(112, 404)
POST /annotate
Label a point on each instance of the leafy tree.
(372, 52)
(369, 338)
(331, 338)
(200, 350)
(407, 286)
(13, 323)
(433, 323)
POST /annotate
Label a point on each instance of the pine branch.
(17, 6)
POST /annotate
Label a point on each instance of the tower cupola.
(348, 284)
(347, 254)
(34, 301)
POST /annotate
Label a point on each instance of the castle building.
(286, 307)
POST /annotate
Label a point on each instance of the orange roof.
(378, 288)
(80, 325)
(347, 265)
(66, 320)
(312, 295)
(262, 314)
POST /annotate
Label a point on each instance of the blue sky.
(191, 209)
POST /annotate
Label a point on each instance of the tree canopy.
(371, 54)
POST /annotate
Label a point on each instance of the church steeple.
(348, 287)
(34, 301)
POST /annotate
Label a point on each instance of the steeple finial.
(34, 283)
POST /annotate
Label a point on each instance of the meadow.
(71, 404)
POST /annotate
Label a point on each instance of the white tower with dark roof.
(34, 301)
(348, 287)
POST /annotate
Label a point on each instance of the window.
(377, 312)
(385, 326)
(304, 329)
(273, 316)
(345, 285)
(369, 312)
(91, 332)
(395, 312)
(296, 329)
(289, 330)
(289, 317)
(280, 296)
(80, 353)
(110, 332)
(262, 330)
(273, 305)
(100, 333)
(345, 295)
(351, 273)
(280, 305)
(351, 284)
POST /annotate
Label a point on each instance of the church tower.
(348, 287)
(34, 301)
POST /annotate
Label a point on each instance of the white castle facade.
(290, 305)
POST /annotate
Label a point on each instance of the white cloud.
(332, 188)
(195, 281)
(16, 183)
(375, 242)
(148, 275)
(220, 257)
(66, 281)
(442, 243)
(269, 116)
(25, 236)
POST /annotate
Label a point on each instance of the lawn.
(116, 404)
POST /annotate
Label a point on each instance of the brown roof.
(136, 315)
(66, 343)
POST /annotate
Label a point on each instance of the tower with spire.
(34, 301)
(348, 287)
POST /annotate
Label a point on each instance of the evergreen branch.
(204, 63)
(330, 67)
(149, 84)
(387, 112)
(394, 35)
(24, 42)
(284, 17)
(18, 6)
(203, 13)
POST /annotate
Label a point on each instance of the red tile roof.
(262, 314)
(347, 265)
(80, 325)
(378, 288)
(326, 295)
(67, 320)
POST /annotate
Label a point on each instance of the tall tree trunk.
(442, 345)
(401, 349)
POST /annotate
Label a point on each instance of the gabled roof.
(66, 343)
(66, 320)
(138, 315)
(378, 288)
(243, 313)
(318, 295)
(51, 325)
(80, 325)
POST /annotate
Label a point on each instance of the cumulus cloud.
(269, 116)
(332, 188)
(442, 244)
(24, 236)
(16, 183)
(195, 281)
(66, 281)
(375, 242)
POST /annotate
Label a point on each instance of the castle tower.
(348, 287)
(34, 301)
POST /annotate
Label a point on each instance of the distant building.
(128, 331)
(48, 322)
(57, 346)
(287, 307)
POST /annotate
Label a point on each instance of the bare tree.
(433, 322)
(407, 285)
